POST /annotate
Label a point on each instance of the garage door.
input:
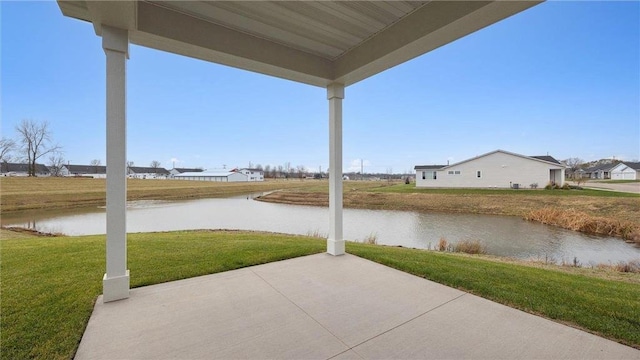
(629, 176)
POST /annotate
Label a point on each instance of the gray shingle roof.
(148, 170)
(633, 165)
(547, 158)
(428, 167)
(86, 169)
(14, 167)
(184, 170)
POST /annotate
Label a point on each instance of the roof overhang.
(313, 42)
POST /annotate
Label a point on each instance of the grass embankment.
(49, 285)
(19, 193)
(607, 308)
(621, 210)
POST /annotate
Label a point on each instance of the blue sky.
(562, 78)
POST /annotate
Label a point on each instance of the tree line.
(34, 142)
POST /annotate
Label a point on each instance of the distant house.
(14, 169)
(176, 171)
(219, 176)
(626, 171)
(139, 172)
(497, 169)
(94, 171)
(252, 174)
(601, 171)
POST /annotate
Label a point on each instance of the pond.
(502, 235)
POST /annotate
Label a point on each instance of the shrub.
(372, 239)
(470, 247)
(442, 244)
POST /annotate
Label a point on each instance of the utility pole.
(361, 169)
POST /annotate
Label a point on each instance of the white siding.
(623, 172)
(219, 177)
(428, 177)
(496, 170)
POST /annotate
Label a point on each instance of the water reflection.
(503, 236)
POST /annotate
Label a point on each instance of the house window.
(478, 174)
(457, 172)
(428, 175)
(450, 172)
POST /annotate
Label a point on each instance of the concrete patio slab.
(325, 307)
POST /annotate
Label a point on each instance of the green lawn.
(604, 307)
(411, 188)
(616, 181)
(49, 284)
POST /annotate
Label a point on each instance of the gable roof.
(603, 167)
(556, 163)
(15, 167)
(86, 169)
(210, 174)
(632, 165)
(148, 170)
(428, 167)
(547, 158)
(184, 170)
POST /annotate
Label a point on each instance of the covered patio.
(330, 44)
(321, 306)
(326, 307)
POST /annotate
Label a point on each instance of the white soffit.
(314, 42)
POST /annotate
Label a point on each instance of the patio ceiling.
(313, 42)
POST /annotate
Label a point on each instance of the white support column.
(335, 242)
(115, 284)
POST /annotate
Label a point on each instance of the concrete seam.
(408, 321)
(306, 313)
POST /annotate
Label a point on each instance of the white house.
(626, 171)
(13, 169)
(94, 171)
(601, 171)
(497, 169)
(176, 171)
(252, 174)
(220, 176)
(139, 172)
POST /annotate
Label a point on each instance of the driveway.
(621, 187)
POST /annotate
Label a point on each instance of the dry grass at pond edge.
(589, 224)
(22, 193)
(609, 216)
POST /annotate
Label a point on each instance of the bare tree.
(95, 163)
(155, 165)
(301, 171)
(7, 146)
(267, 171)
(35, 139)
(56, 162)
(129, 166)
(574, 164)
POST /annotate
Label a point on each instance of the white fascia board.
(167, 30)
(435, 24)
